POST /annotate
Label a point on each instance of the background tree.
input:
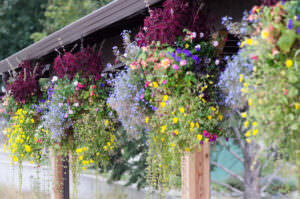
(60, 13)
(18, 20)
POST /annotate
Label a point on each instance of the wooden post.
(60, 169)
(195, 173)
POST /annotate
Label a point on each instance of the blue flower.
(178, 59)
(187, 52)
(178, 51)
(298, 30)
(290, 24)
(196, 59)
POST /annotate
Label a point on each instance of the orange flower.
(165, 63)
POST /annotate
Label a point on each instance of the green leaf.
(286, 40)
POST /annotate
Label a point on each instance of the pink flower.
(94, 86)
(23, 101)
(39, 141)
(80, 85)
(142, 96)
(1, 110)
(76, 104)
(92, 93)
(285, 92)
(66, 115)
(175, 67)
(164, 82)
(165, 63)
(70, 112)
(147, 84)
(183, 62)
(60, 105)
(254, 57)
(96, 109)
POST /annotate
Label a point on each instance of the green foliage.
(60, 13)
(18, 20)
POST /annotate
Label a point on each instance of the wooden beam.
(57, 167)
(195, 173)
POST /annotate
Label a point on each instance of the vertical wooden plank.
(196, 174)
(57, 182)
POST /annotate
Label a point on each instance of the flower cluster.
(23, 141)
(25, 85)
(86, 62)
(166, 24)
(273, 101)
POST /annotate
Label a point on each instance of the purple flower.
(183, 62)
(60, 105)
(142, 96)
(187, 52)
(66, 115)
(283, 2)
(178, 59)
(173, 55)
(196, 59)
(154, 108)
(178, 51)
(290, 25)
(198, 47)
(298, 30)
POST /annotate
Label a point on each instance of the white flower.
(215, 43)
(76, 104)
(108, 65)
(54, 79)
(125, 54)
(201, 34)
(194, 34)
(198, 46)
(76, 83)
(217, 62)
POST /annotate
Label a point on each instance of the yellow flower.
(27, 148)
(107, 122)
(246, 123)
(248, 133)
(213, 108)
(254, 123)
(91, 161)
(297, 106)
(192, 124)
(15, 158)
(187, 149)
(147, 120)
(163, 104)
(21, 121)
(242, 44)
(264, 34)
(32, 120)
(197, 125)
(244, 115)
(31, 162)
(187, 45)
(83, 168)
(255, 132)
(172, 145)
(173, 113)
(166, 98)
(162, 139)
(163, 128)
(175, 120)
(9, 130)
(209, 117)
(220, 117)
(191, 130)
(248, 140)
(80, 157)
(289, 63)
(199, 137)
(105, 148)
(176, 132)
(85, 149)
(181, 110)
(155, 85)
(250, 102)
(108, 143)
(245, 85)
(203, 100)
(249, 41)
(206, 140)
(241, 77)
